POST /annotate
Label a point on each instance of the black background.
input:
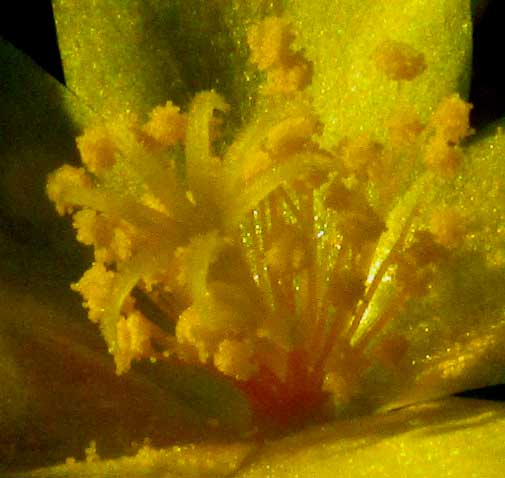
(30, 27)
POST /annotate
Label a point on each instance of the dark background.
(30, 27)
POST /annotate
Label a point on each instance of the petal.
(455, 437)
(457, 332)
(57, 375)
(341, 38)
(36, 136)
(59, 389)
(121, 56)
(116, 55)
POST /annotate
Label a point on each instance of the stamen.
(133, 340)
(166, 125)
(379, 275)
(448, 227)
(270, 43)
(97, 150)
(255, 264)
(451, 119)
(399, 61)
(405, 128)
(443, 158)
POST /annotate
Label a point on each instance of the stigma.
(261, 258)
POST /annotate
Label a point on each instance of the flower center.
(264, 263)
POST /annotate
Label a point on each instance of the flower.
(317, 220)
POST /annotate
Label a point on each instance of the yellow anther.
(442, 157)
(414, 272)
(361, 227)
(360, 153)
(270, 41)
(197, 336)
(92, 228)
(202, 328)
(345, 289)
(399, 61)
(91, 453)
(339, 197)
(425, 250)
(413, 282)
(113, 240)
(270, 45)
(218, 315)
(291, 135)
(236, 359)
(167, 125)
(96, 287)
(451, 119)
(404, 129)
(290, 78)
(121, 245)
(450, 123)
(62, 183)
(360, 223)
(97, 149)
(133, 341)
(448, 227)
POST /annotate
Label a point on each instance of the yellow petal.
(116, 56)
(134, 55)
(456, 333)
(454, 437)
(342, 38)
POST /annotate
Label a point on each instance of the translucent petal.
(341, 38)
(133, 55)
(455, 437)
